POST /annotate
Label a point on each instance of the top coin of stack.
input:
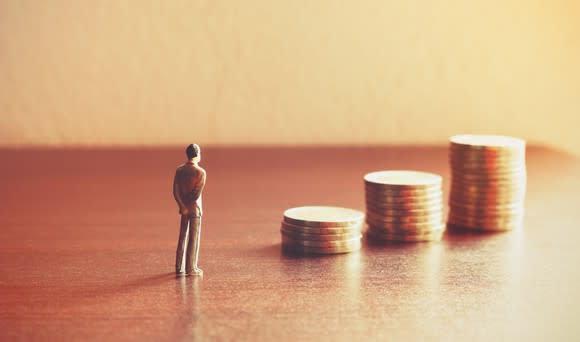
(488, 182)
(321, 230)
(404, 206)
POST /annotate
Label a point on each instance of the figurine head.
(193, 152)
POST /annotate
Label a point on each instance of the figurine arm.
(177, 196)
(196, 192)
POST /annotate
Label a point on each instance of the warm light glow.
(285, 72)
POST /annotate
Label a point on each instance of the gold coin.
(460, 195)
(487, 143)
(296, 249)
(323, 230)
(470, 165)
(490, 209)
(403, 179)
(489, 201)
(406, 228)
(418, 204)
(420, 192)
(485, 169)
(478, 157)
(395, 199)
(406, 212)
(394, 214)
(494, 224)
(379, 230)
(486, 207)
(378, 219)
(433, 236)
(484, 218)
(490, 191)
(320, 237)
(493, 228)
(458, 152)
(411, 204)
(515, 182)
(491, 185)
(402, 194)
(410, 226)
(322, 216)
(308, 243)
(481, 189)
(489, 177)
(458, 218)
(496, 183)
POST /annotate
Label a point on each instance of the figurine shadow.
(105, 291)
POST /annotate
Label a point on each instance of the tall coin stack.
(404, 206)
(488, 183)
(321, 230)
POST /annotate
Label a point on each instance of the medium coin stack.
(488, 183)
(321, 230)
(404, 206)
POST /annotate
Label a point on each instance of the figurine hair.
(192, 151)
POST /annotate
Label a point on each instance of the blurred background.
(146, 72)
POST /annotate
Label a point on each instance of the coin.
(488, 182)
(413, 204)
(403, 179)
(405, 212)
(406, 228)
(303, 250)
(482, 190)
(323, 230)
(459, 218)
(412, 226)
(483, 142)
(403, 193)
(397, 198)
(473, 156)
(484, 168)
(499, 227)
(458, 192)
(323, 216)
(489, 201)
(403, 205)
(320, 237)
(432, 236)
(488, 176)
(495, 228)
(503, 183)
(487, 207)
(380, 230)
(320, 244)
(378, 219)
(485, 211)
(508, 189)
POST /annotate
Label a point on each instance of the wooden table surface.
(88, 239)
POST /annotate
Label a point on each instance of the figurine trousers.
(190, 227)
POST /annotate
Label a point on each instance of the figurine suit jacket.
(188, 184)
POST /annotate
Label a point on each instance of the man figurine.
(188, 184)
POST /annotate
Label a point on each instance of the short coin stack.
(488, 182)
(404, 206)
(321, 230)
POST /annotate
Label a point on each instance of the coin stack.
(321, 230)
(488, 182)
(404, 206)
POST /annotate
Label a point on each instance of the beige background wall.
(95, 72)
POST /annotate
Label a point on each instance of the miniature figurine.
(188, 184)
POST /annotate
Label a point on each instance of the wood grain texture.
(88, 239)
